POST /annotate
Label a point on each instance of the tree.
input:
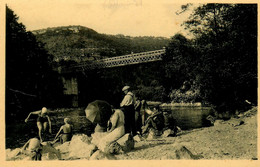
(31, 82)
(226, 37)
(180, 62)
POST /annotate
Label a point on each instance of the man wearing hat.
(128, 107)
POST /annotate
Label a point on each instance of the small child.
(66, 134)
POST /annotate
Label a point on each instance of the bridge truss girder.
(130, 59)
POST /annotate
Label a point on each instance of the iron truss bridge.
(134, 58)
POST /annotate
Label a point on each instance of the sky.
(127, 17)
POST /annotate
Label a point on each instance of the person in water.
(43, 121)
(66, 131)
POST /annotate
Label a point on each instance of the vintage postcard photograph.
(119, 80)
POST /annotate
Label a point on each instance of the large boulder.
(126, 142)
(49, 152)
(99, 155)
(63, 148)
(81, 147)
(12, 154)
(114, 148)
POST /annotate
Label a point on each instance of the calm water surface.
(189, 117)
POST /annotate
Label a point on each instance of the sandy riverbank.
(224, 140)
(234, 139)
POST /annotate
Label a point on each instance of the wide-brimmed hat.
(125, 88)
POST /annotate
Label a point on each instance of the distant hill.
(78, 43)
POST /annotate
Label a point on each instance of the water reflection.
(189, 117)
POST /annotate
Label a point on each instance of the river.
(17, 133)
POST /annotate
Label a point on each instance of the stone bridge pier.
(71, 91)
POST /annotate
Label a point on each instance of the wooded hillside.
(218, 66)
(78, 43)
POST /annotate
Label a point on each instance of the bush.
(190, 96)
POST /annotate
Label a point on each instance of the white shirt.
(128, 100)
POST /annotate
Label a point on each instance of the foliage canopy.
(30, 80)
(221, 59)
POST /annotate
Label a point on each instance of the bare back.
(34, 144)
(121, 117)
(67, 128)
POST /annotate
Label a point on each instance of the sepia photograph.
(130, 80)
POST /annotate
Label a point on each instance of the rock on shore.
(234, 139)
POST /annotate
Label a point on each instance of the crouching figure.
(33, 149)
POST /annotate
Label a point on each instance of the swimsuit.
(42, 119)
(66, 137)
(36, 155)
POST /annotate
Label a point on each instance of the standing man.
(128, 107)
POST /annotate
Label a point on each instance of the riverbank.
(234, 139)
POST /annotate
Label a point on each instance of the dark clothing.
(138, 117)
(159, 121)
(155, 121)
(138, 105)
(42, 119)
(169, 122)
(143, 114)
(129, 113)
(65, 137)
(36, 155)
(138, 121)
(67, 133)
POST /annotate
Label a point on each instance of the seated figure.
(65, 132)
(159, 122)
(33, 149)
(155, 121)
(103, 139)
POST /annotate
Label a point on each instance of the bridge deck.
(135, 58)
